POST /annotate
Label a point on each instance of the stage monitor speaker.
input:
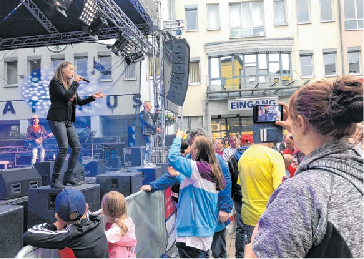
(15, 183)
(113, 164)
(150, 174)
(11, 230)
(41, 202)
(164, 167)
(134, 156)
(180, 70)
(95, 167)
(45, 169)
(127, 182)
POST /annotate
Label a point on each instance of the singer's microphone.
(84, 79)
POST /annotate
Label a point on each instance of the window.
(306, 65)
(11, 73)
(279, 12)
(34, 70)
(106, 62)
(354, 62)
(330, 64)
(353, 10)
(194, 75)
(81, 67)
(303, 13)
(55, 63)
(246, 19)
(326, 10)
(191, 18)
(34, 67)
(213, 17)
(130, 71)
(250, 70)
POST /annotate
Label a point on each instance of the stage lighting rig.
(134, 58)
(122, 45)
(97, 25)
(60, 5)
(88, 12)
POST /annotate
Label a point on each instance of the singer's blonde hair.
(59, 74)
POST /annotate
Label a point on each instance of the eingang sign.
(245, 104)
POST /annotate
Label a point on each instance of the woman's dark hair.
(330, 106)
(184, 146)
(205, 152)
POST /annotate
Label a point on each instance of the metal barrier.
(148, 213)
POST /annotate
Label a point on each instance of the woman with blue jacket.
(198, 198)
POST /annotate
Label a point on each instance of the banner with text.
(245, 104)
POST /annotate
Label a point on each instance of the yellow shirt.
(261, 170)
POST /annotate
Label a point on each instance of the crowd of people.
(300, 199)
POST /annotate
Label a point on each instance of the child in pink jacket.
(120, 229)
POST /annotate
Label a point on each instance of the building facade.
(258, 51)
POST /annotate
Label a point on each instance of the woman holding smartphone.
(61, 115)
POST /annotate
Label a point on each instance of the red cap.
(246, 138)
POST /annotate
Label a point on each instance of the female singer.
(61, 115)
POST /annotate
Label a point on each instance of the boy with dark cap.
(75, 228)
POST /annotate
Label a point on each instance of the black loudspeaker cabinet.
(127, 182)
(164, 167)
(134, 156)
(41, 202)
(11, 230)
(45, 169)
(15, 183)
(95, 167)
(150, 174)
(180, 70)
(113, 164)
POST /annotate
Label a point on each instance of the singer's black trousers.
(65, 134)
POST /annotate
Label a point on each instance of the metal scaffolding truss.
(138, 6)
(108, 8)
(40, 16)
(128, 29)
(54, 39)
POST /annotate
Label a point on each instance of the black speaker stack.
(95, 167)
(15, 183)
(178, 53)
(127, 181)
(41, 202)
(11, 230)
(45, 169)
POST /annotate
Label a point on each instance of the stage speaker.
(113, 164)
(23, 201)
(45, 169)
(164, 167)
(11, 230)
(149, 174)
(95, 167)
(134, 156)
(127, 182)
(41, 202)
(15, 183)
(180, 70)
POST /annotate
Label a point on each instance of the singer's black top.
(62, 109)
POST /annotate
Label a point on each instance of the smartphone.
(267, 113)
